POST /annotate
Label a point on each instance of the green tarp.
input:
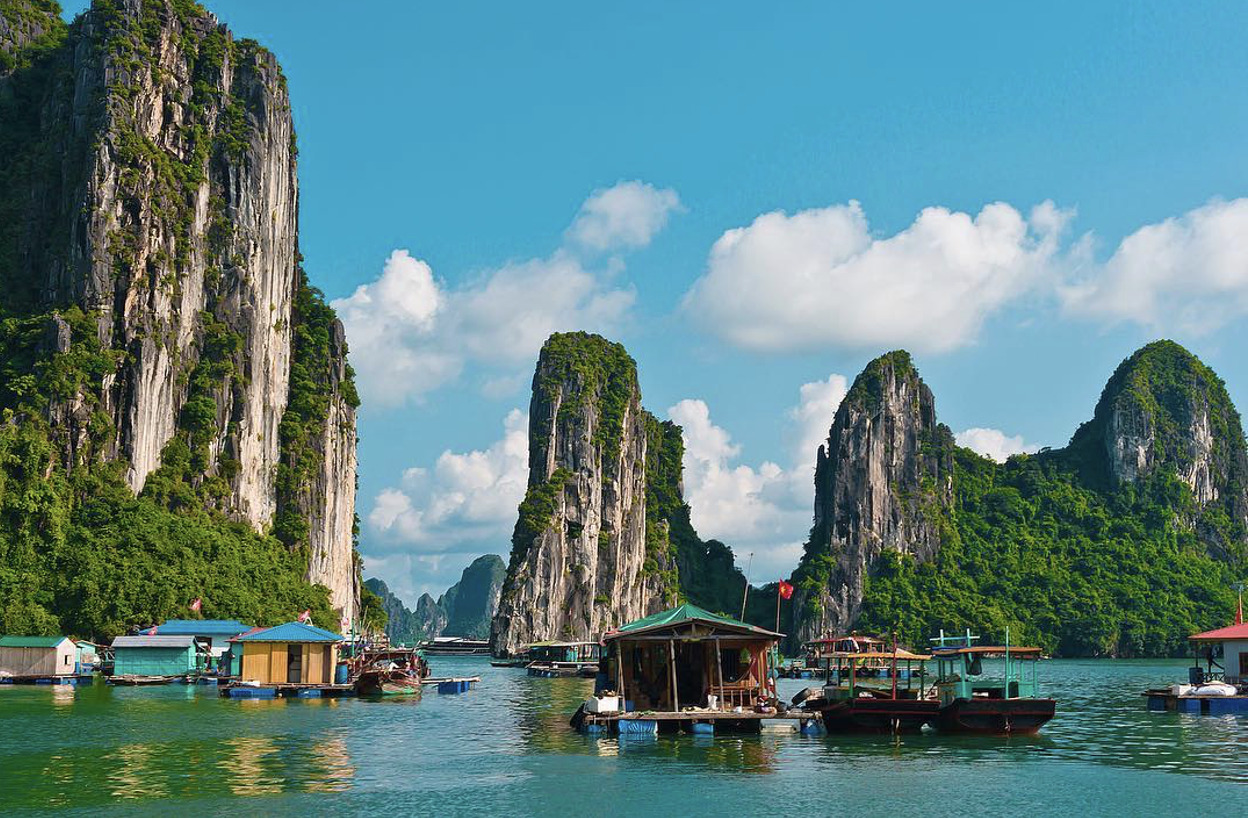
(688, 612)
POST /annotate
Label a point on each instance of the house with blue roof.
(289, 654)
(215, 634)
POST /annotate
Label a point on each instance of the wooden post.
(620, 673)
(894, 670)
(672, 667)
(720, 678)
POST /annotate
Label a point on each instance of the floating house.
(153, 657)
(552, 659)
(685, 668)
(213, 633)
(293, 654)
(1232, 641)
(30, 657)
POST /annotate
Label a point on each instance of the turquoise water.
(506, 749)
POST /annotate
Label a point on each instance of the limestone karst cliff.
(1120, 543)
(582, 561)
(880, 482)
(148, 198)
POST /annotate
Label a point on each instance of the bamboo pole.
(720, 676)
(672, 666)
(747, 586)
(620, 673)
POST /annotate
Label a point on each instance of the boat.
(557, 659)
(513, 663)
(992, 706)
(396, 671)
(135, 680)
(454, 646)
(847, 705)
(1220, 689)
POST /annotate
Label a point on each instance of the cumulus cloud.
(626, 215)
(411, 333)
(1185, 274)
(994, 444)
(465, 498)
(820, 277)
(765, 510)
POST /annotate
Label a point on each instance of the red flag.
(306, 615)
(151, 631)
(785, 589)
(196, 605)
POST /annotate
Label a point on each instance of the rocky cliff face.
(155, 190)
(1163, 409)
(881, 484)
(471, 603)
(580, 562)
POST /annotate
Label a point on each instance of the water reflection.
(134, 775)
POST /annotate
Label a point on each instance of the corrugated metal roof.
(202, 627)
(292, 632)
(31, 641)
(154, 641)
(1229, 633)
(249, 632)
(688, 612)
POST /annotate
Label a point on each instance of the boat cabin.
(154, 655)
(1224, 649)
(845, 669)
(290, 654)
(43, 656)
(689, 657)
(961, 669)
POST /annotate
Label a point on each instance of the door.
(294, 664)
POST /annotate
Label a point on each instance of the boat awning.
(988, 650)
(1231, 633)
(898, 655)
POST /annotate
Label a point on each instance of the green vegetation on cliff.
(1072, 559)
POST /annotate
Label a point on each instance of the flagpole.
(777, 627)
(746, 587)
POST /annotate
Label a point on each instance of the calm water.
(506, 749)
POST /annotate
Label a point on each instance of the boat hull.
(877, 715)
(996, 717)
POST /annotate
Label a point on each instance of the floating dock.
(68, 679)
(1166, 700)
(452, 684)
(696, 721)
(285, 691)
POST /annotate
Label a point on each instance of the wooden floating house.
(1220, 689)
(686, 669)
(293, 659)
(553, 659)
(38, 660)
(154, 659)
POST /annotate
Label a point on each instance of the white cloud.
(1185, 274)
(765, 510)
(465, 499)
(994, 444)
(411, 333)
(820, 278)
(626, 215)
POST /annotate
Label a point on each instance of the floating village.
(682, 670)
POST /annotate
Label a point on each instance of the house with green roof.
(688, 657)
(37, 656)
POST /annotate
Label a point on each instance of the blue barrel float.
(454, 686)
(341, 675)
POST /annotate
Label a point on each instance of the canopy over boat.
(989, 650)
(900, 655)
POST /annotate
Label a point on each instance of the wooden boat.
(847, 705)
(132, 680)
(455, 646)
(390, 672)
(997, 706)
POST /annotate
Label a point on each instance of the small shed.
(37, 656)
(154, 655)
(1233, 640)
(680, 657)
(293, 653)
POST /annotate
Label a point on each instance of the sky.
(755, 204)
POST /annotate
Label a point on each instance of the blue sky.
(471, 136)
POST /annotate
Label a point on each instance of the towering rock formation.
(583, 559)
(882, 482)
(149, 182)
(1165, 409)
(472, 602)
(912, 531)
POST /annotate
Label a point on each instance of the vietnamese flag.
(785, 589)
(197, 604)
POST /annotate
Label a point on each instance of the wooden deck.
(700, 715)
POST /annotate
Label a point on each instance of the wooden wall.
(266, 662)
